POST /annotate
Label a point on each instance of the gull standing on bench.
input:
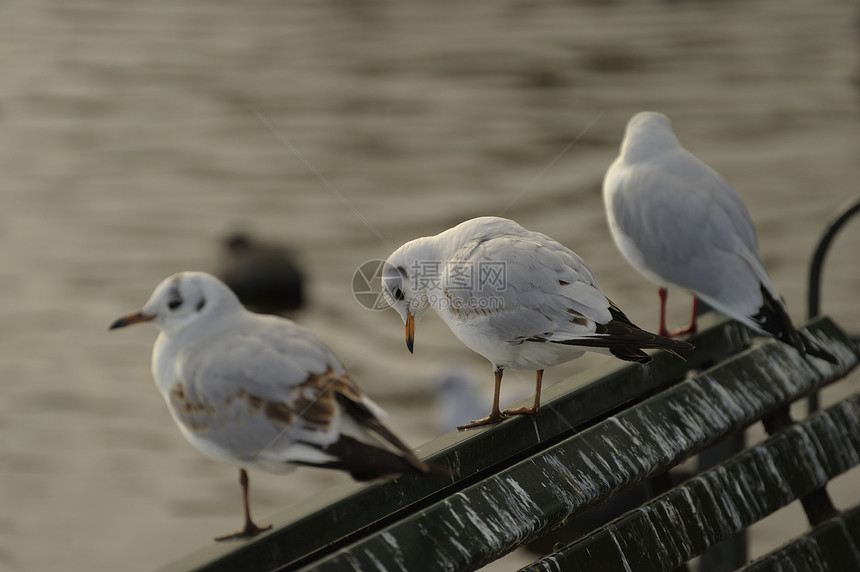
(260, 391)
(517, 297)
(679, 223)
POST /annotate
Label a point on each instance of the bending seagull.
(679, 223)
(260, 391)
(517, 297)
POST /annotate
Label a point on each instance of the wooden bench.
(517, 481)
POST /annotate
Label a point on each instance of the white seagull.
(261, 392)
(517, 297)
(679, 223)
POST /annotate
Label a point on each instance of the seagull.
(514, 296)
(679, 223)
(260, 391)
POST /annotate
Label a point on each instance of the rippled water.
(134, 136)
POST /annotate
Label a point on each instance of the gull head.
(410, 278)
(182, 301)
(648, 133)
(649, 120)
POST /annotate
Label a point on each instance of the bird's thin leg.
(663, 293)
(534, 409)
(691, 329)
(495, 415)
(250, 529)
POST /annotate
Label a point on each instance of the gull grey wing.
(297, 404)
(541, 287)
(689, 228)
(281, 384)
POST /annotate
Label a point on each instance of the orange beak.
(410, 331)
(133, 318)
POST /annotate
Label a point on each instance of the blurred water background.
(134, 136)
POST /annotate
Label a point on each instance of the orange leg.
(534, 409)
(495, 414)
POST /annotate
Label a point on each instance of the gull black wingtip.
(813, 349)
(129, 319)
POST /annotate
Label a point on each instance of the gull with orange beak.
(517, 297)
(261, 392)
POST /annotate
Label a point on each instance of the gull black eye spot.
(398, 294)
(174, 304)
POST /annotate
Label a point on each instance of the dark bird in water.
(265, 277)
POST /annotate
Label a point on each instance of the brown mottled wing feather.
(311, 404)
(273, 393)
(348, 395)
(363, 460)
(316, 398)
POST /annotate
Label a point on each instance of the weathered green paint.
(515, 480)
